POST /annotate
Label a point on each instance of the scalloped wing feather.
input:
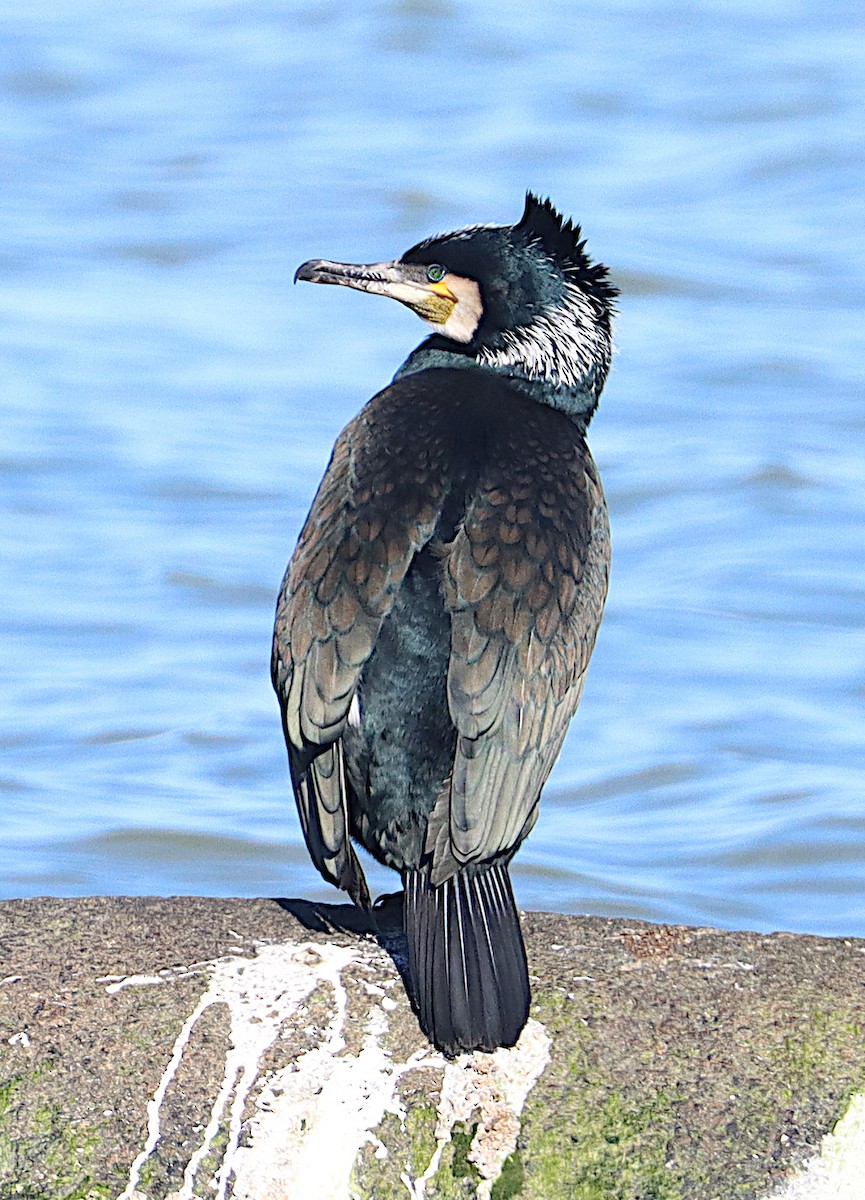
(525, 581)
(363, 530)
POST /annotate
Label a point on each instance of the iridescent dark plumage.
(436, 621)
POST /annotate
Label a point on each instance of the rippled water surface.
(168, 402)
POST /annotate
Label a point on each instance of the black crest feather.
(563, 241)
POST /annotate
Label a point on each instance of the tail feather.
(467, 959)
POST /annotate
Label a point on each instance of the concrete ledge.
(187, 1047)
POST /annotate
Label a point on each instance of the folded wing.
(366, 524)
(525, 582)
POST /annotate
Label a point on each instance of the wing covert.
(365, 526)
(525, 582)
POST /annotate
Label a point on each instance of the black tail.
(467, 959)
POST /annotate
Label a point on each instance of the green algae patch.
(401, 1151)
(420, 1123)
(823, 1045)
(814, 1066)
(607, 1148)
(65, 1150)
(457, 1176)
(397, 1148)
(510, 1183)
(690, 1077)
(379, 1164)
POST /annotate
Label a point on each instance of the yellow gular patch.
(436, 306)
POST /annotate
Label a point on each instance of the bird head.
(524, 300)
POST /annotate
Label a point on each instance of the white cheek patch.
(465, 317)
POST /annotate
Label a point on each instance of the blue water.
(168, 401)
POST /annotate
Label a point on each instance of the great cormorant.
(436, 620)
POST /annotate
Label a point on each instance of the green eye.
(435, 273)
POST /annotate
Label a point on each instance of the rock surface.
(188, 1047)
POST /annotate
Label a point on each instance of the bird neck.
(577, 401)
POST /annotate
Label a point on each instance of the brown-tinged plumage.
(436, 621)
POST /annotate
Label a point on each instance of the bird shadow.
(383, 922)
